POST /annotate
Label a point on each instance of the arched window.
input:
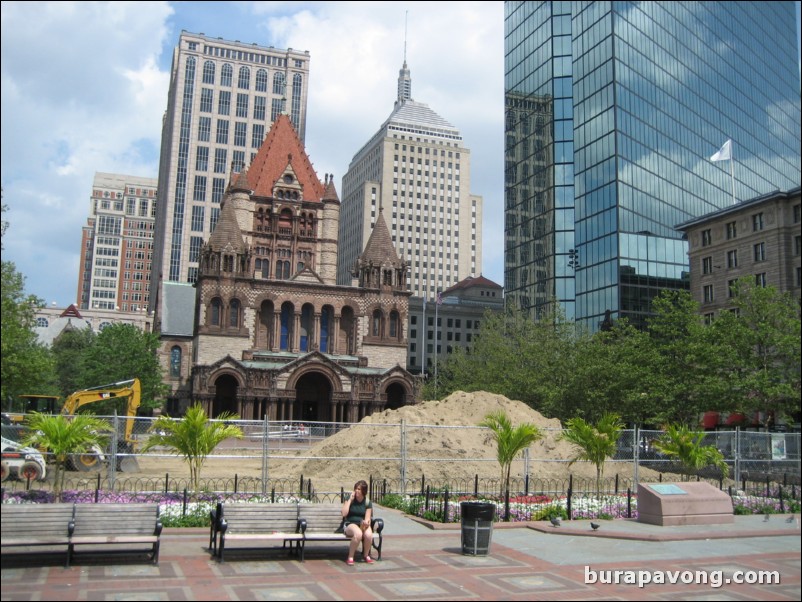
(208, 72)
(214, 318)
(226, 73)
(376, 325)
(261, 80)
(394, 323)
(244, 80)
(233, 313)
(347, 323)
(175, 361)
(278, 83)
(307, 327)
(42, 323)
(103, 326)
(326, 320)
(287, 317)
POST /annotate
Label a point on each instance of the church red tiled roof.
(280, 147)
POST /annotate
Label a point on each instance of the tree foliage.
(510, 441)
(193, 437)
(64, 436)
(594, 443)
(685, 445)
(122, 352)
(27, 365)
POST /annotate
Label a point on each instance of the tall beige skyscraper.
(222, 100)
(417, 171)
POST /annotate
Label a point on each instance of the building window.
(732, 230)
(708, 293)
(797, 213)
(376, 325)
(757, 222)
(707, 238)
(760, 251)
(42, 323)
(175, 361)
(707, 265)
(214, 318)
(731, 288)
(760, 279)
(708, 319)
(233, 313)
(797, 244)
(732, 259)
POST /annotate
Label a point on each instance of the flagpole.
(732, 177)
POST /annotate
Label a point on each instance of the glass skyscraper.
(613, 112)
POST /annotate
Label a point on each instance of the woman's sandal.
(349, 562)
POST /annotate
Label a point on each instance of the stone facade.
(273, 334)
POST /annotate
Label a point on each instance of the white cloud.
(84, 89)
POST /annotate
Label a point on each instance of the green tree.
(594, 443)
(510, 441)
(192, 437)
(761, 340)
(121, 352)
(685, 445)
(69, 351)
(27, 365)
(63, 437)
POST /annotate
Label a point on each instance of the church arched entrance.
(396, 396)
(313, 398)
(225, 395)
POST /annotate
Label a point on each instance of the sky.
(84, 90)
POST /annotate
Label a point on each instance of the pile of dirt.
(437, 450)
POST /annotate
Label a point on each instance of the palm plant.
(62, 437)
(193, 437)
(594, 443)
(509, 441)
(685, 445)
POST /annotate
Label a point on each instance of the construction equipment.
(21, 462)
(130, 389)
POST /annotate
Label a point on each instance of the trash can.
(477, 527)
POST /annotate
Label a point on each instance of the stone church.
(272, 334)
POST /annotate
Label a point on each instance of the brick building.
(271, 333)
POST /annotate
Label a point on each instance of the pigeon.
(594, 526)
(555, 521)
(766, 518)
(790, 519)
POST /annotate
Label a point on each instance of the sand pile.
(373, 447)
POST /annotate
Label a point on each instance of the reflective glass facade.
(613, 112)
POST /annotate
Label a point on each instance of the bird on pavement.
(790, 519)
(594, 526)
(555, 521)
(766, 518)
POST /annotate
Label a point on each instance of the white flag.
(724, 153)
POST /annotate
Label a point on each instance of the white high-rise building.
(222, 100)
(416, 171)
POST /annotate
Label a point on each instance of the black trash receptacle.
(477, 527)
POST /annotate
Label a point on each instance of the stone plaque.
(683, 504)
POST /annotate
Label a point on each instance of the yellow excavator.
(131, 390)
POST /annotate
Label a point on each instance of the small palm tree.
(193, 437)
(62, 437)
(594, 443)
(686, 446)
(509, 441)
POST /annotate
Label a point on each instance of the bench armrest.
(377, 524)
(222, 526)
(70, 528)
(158, 530)
(301, 528)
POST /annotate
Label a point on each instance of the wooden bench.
(29, 525)
(255, 522)
(131, 525)
(321, 522)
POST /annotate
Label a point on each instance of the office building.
(117, 244)
(222, 99)
(436, 329)
(614, 111)
(416, 169)
(759, 238)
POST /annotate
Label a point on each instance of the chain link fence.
(399, 457)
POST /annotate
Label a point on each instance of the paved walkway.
(537, 562)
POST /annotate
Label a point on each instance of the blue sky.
(84, 89)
